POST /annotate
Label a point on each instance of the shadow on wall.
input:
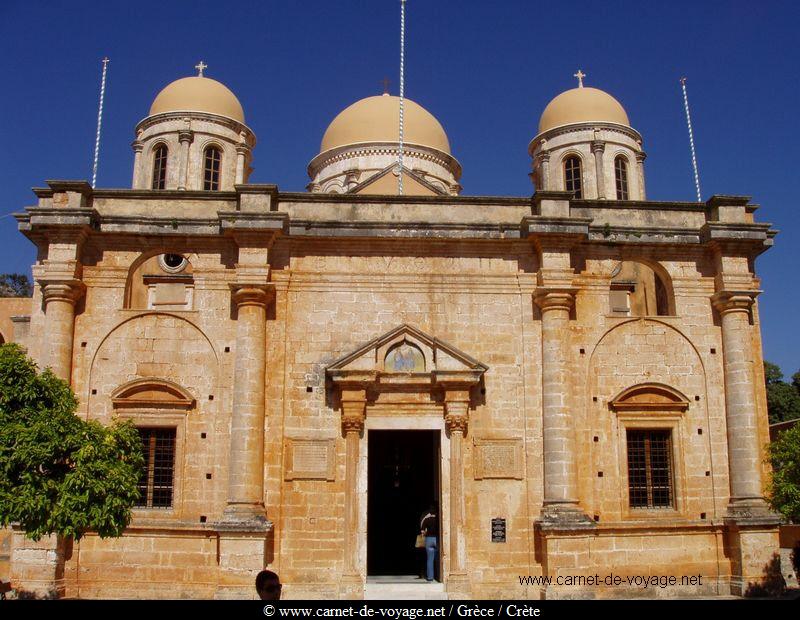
(772, 582)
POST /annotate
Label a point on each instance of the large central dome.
(376, 119)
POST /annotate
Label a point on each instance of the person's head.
(268, 586)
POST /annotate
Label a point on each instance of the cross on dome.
(200, 66)
(580, 75)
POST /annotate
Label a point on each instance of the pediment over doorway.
(407, 356)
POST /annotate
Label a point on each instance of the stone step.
(404, 591)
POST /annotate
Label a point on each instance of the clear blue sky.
(486, 69)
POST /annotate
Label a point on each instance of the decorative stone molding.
(152, 394)
(649, 397)
(186, 135)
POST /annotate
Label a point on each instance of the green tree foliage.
(60, 474)
(15, 285)
(784, 493)
(783, 399)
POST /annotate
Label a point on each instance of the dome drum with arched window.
(586, 145)
(194, 138)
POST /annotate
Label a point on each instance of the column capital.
(456, 423)
(598, 146)
(185, 135)
(354, 410)
(543, 156)
(640, 156)
(733, 301)
(253, 294)
(555, 298)
(242, 149)
(138, 146)
(62, 290)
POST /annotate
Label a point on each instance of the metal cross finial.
(106, 60)
(200, 66)
(385, 86)
(580, 75)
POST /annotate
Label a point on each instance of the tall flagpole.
(99, 122)
(402, 93)
(691, 141)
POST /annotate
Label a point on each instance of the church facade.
(575, 377)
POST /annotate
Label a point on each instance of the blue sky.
(486, 69)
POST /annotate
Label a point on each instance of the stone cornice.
(342, 153)
(225, 121)
(586, 126)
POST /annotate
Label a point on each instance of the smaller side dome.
(198, 94)
(582, 105)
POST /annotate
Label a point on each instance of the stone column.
(598, 148)
(246, 466)
(353, 417)
(59, 308)
(544, 159)
(560, 490)
(137, 164)
(185, 138)
(740, 406)
(241, 152)
(456, 418)
(640, 156)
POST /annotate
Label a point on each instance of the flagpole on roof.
(691, 140)
(99, 122)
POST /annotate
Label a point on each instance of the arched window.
(638, 290)
(160, 167)
(621, 177)
(572, 176)
(213, 159)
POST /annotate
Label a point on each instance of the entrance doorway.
(403, 480)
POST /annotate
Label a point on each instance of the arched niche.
(163, 281)
(404, 356)
(640, 288)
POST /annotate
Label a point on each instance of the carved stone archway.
(409, 361)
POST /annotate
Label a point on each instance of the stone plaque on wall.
(310, 459)
(498, 458)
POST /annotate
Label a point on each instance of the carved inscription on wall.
(309, 459)
(498, 458)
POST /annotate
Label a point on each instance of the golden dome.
(582, 105)
(376, 119)
(198, 94)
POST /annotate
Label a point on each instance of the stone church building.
(574, 377)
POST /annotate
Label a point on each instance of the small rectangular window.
(156, 484)
(572, 176)
(213, 157)
(650, 469)
(621, 177)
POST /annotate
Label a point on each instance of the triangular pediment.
(384, 183)
(407, 353)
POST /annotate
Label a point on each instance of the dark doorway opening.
(403, 481)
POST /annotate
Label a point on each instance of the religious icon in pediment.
(404, 357)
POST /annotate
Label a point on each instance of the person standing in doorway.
(429, 527)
